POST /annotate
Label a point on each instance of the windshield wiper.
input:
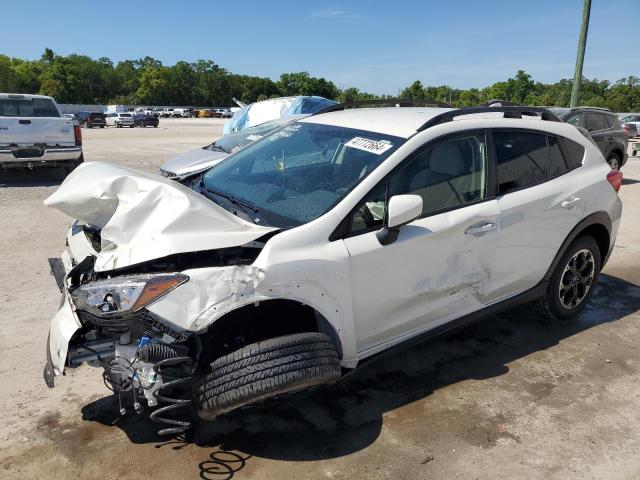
(213, 146)
(231, 198)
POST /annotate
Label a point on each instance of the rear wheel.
(573, 279)
(614, 161)
(266, 369)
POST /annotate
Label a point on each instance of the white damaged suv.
(322, 244)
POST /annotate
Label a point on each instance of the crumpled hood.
(143, 217)
(193, 161)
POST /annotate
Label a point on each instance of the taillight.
(627, 130)
(78, 134)
(614, 177)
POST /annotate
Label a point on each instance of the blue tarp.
(260, 112)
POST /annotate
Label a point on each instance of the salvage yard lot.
(513, 396)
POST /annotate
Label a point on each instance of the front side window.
(447, 174)
(577, 119)
(298, 172)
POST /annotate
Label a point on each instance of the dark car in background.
(630, 129)
(91, 119)
(604, 127)
(144, 120)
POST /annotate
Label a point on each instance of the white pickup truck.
(34, 134)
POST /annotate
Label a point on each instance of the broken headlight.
(115, 296)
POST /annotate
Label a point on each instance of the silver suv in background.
(120, 119)
(34, 134)
(185, 166)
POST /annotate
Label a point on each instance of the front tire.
(266, 369)
(572, 281)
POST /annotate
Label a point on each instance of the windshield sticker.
(372, 146)
(286, 132)
(253, 137)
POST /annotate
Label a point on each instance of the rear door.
(600, 131)
(26, 121)
(540, 202)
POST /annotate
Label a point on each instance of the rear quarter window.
(575, 153)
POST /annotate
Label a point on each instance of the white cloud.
(333, 13)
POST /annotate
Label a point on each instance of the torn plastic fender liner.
(143, 217)
(63, 325)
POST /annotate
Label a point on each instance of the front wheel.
(573, 280)
(266, 369)
(614, 161)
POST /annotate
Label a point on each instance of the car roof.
(396, 121)
(27, 96)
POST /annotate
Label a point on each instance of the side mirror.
(402, 209)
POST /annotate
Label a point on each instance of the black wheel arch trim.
(597, 218)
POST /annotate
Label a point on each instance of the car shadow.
(629, 181)
(348, 416)
(39, 177)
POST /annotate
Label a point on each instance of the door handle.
(24, 122)
(480, 229)
(570, 203)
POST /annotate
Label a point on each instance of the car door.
(539, 205)
(599, 130)
(439, 266)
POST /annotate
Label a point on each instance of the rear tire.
(572, 281)
(614, 161)
(266, 369)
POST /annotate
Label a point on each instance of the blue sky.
(376, 46)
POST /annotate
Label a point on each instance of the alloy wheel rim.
(576, 279)
(613, 163)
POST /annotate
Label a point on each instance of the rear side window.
(596, 121)
(37, 107)
(522, 160)
(557, 165)
(44, 107)
(575, 153)
(525, 159)
(614, 121)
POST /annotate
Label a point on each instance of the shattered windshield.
(299, 172)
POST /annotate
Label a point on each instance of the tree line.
(146, 81)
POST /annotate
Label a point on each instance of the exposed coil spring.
(164, 392)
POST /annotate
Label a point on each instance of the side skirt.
(524, 297)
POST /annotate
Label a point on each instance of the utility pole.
(577, 76)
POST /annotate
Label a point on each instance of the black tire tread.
(265, 369)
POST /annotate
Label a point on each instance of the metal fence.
(75, 108)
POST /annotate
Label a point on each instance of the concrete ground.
(514, 396)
